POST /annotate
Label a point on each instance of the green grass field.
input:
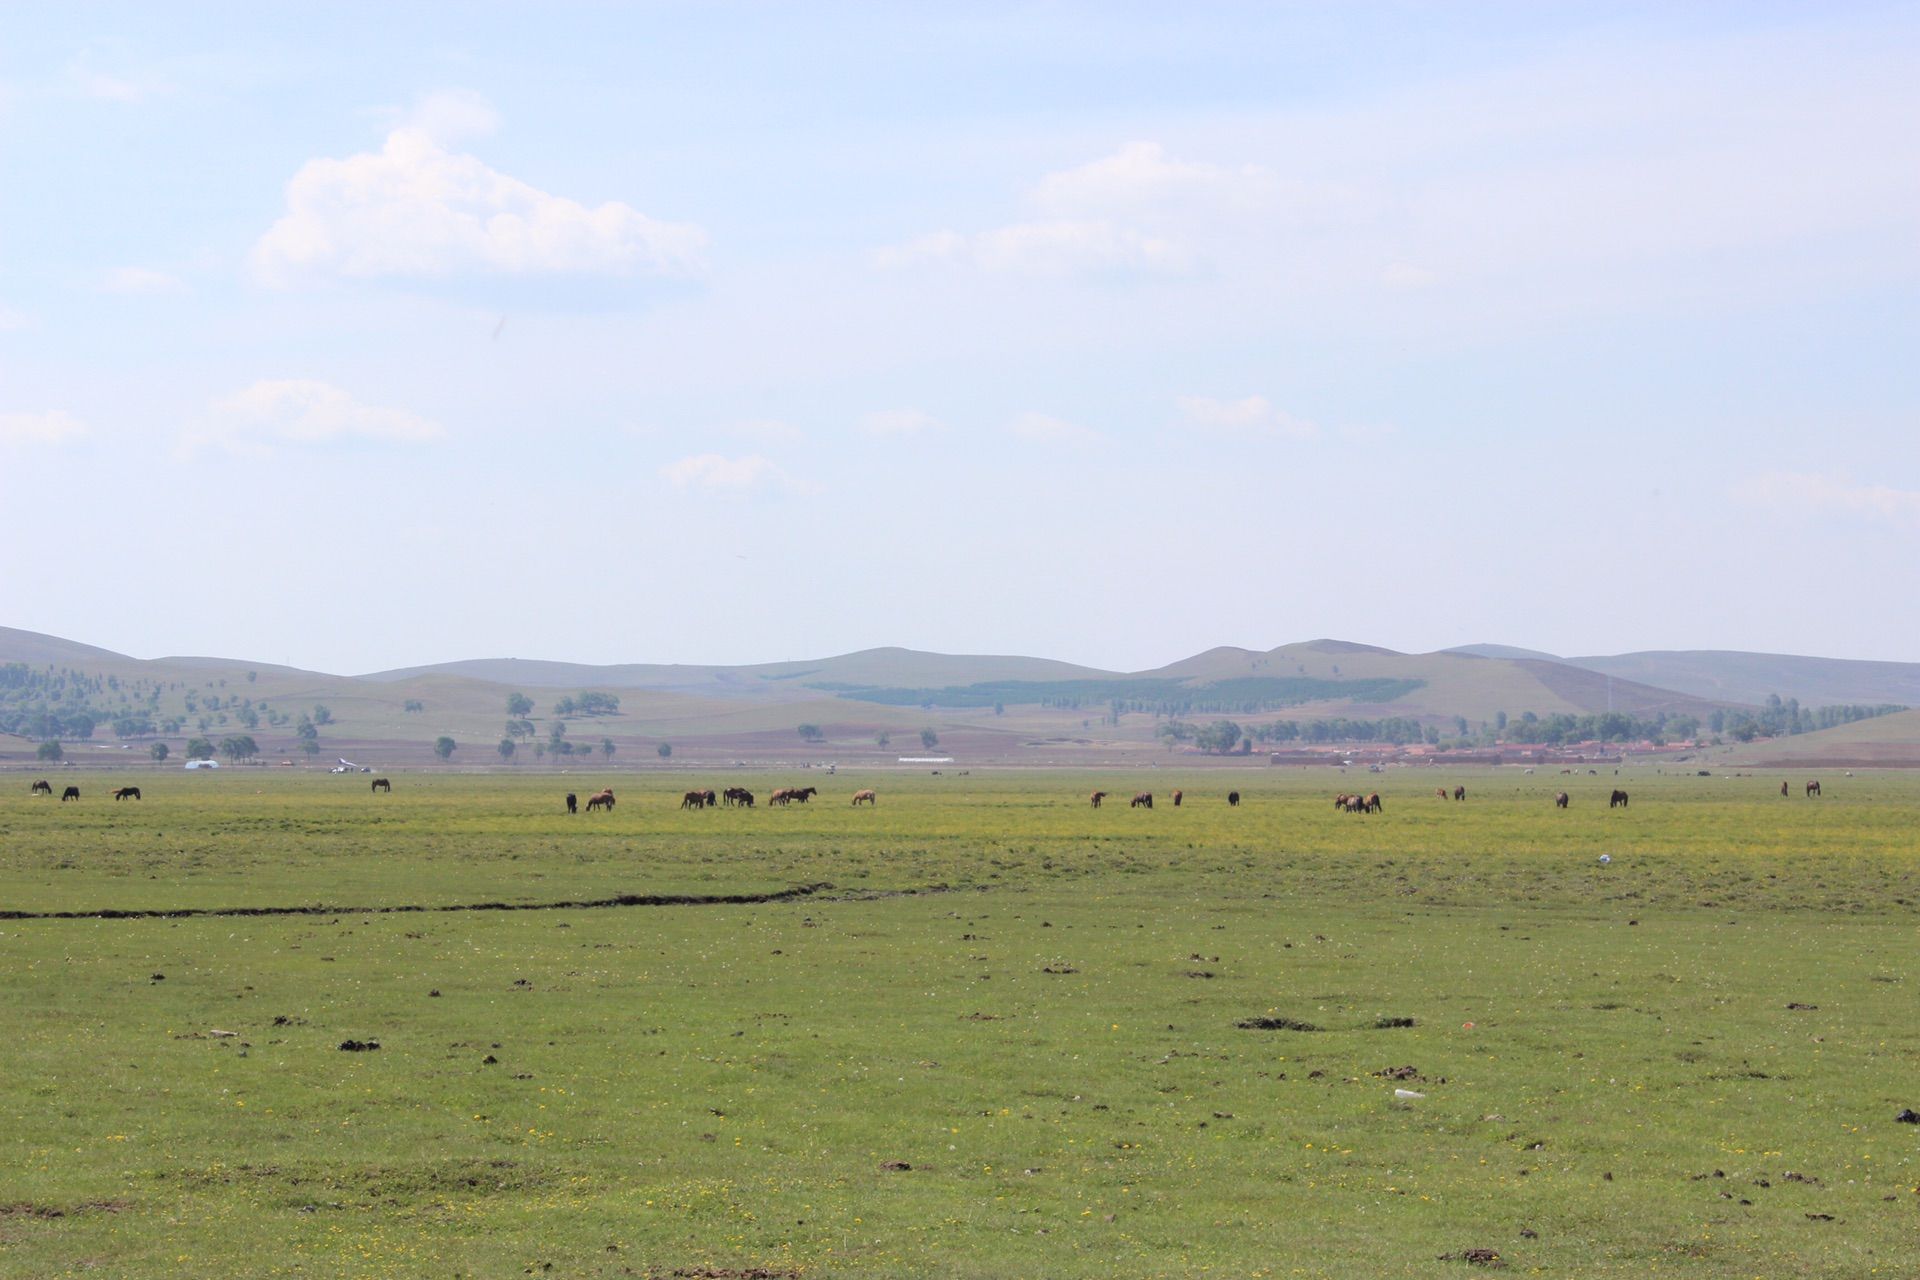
(1003, 1042)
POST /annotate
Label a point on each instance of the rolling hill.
(988, 706)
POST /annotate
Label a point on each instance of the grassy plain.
(1029, 1004)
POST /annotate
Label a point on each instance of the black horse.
(126, 793)
(71, 793)
(380, 784)
(1233, 799)
(1618, 800)
(45, 788)
(573, 803)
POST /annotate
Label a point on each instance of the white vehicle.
(203, 764)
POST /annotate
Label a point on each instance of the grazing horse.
(694, 800)
(600, 800)
(1373, 803)
(865, 797)
(1177, 796)
(45, 788)
(743, 797)
(1098, 796)
(1783, 788)
(1441, 792)
(800, 795)
(573, 803)
(1142, 800)
(1560, 800)
(126, 793)
(1813, 788)
(380, 784)
(1617, 800)
(1459, 793)
(1233, 799)
(71, 793)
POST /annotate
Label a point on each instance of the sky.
(362, 336)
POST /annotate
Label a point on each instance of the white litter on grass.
(1605, 858)
(1405, 1094)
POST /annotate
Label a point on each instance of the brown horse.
(1813, 788)
(573, 803)
(1617, 800)
(1459, 793)
(1783, 788)
(1233, 799)
(126, 793)
(1177, 796)
(865, 797)
(800, 795)
(71, 793)
(600, 800)
(43, 788)
(1143, 800)
(1560, 800)
(1098, 796)
(380, 784)
(694, 800)
(740, 796)
(1441, 792)
(1373, 803)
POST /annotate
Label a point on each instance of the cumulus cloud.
(1251, 415)
(303, 412)
(1141, 175)
(899, 423)
(52, 427)
(716, 473)
(1831, 493)
(140, 280)
(418, 210)
(1047, 429)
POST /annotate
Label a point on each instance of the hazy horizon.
(369, 338)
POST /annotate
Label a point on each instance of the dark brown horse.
(1142, 800)
(71, 793)
(1177, 796)
(126, 793)
(800, 795)
(43, 788)
(1618, 800)
(740, 796)
(1373, 803)
(1560, 800)
(1459, 793)
(1098, 796)
(600, 800)
(1783, 788)
(694, 800)
(1233, 799)
(573, 803)
(380, 784)
(1813, 788)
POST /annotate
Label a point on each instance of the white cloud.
(416, 210)
(303, 411)
(108, 87)
(140, 280)
(1252, 415)
(1826, 492)
(767, 431)
(449, 115)
(52, 427)
(715, 473)
(900, 423)
(1140, 176)
(1047, 429)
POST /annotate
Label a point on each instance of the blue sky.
(373, 335)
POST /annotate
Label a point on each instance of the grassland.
(1030, 1005)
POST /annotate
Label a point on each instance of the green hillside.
(1734, 676)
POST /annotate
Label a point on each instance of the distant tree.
(606, 749)
(664, 750)
(929, 739)
(1219, 737)
(999, 708)
(248, 717)
(159, 752)
(1717, 721)
(239, 747)
(539, 751)
(307, 732)
(444, 747)
(812, 733)
(412, 705)
(506, 749)
(252, 676)
(883, 739)
(50, 750)
(1499, 720)
(557, 740)
(519, 706)
(199, 749)
(519, 728)
(310, 746)
(321, 715)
